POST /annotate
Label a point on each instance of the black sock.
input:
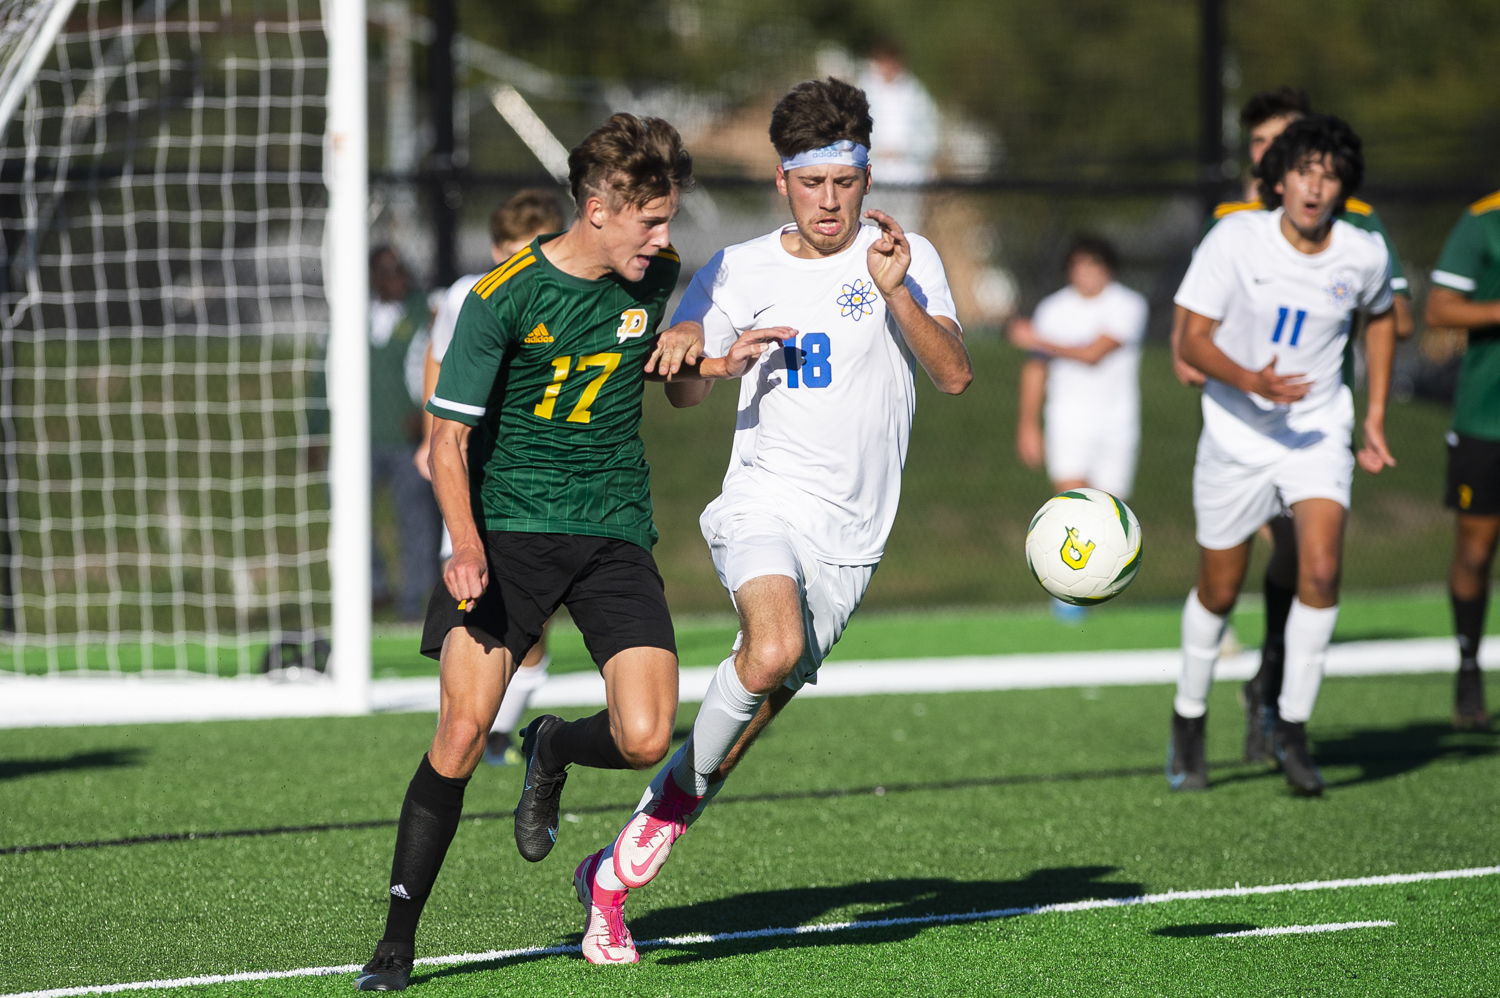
(1468, 624)
(587, 742)
(429, 817)
(1278, 607)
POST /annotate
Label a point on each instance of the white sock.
(1202, 631)
(605, 877)
(1308, 633)
(526, 681)
(726, 712)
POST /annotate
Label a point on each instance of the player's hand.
(1029, 446)
(1282, 389)
(675, 346)
(1022, 335)
(468, 573)
(1186, 373)
(889, 256)
(752, 346)
(420, 458)
(1375, 455)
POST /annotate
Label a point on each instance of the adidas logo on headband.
(844, 152)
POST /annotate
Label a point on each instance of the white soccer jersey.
(446, 319)
(823, 422)
(1094, 394)
(1273, 301)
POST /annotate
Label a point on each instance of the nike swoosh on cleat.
(636, 869)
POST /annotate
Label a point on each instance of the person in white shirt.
(1085, 342)
(1271, 297)
(906, 133)
(530, 213)
(820, 439)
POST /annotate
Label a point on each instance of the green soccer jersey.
(549, 370)
(1470, 265)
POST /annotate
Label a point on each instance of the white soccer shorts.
(1103, 456)
(1232, 498)
(747, 543)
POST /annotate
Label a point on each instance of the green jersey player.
(1265, 116)
(540, 471)
(1466, 294)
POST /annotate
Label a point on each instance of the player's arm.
(1186, 373)
(1024, 335)
(936, 341)
(1453, 309)
(1200, 351)
(691, 384)
(1030, 446)
(430, 370)
(468, 572)
(1380, 357)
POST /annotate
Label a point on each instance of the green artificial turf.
(1126, 624)
(989, 800)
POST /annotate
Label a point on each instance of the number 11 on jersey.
(808, 365)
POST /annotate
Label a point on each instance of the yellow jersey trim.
(505, 274)
(1358, 207)
(1226, 208)
(1485, 204)
(487, 282)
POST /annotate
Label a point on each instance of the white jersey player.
(1283, 287)
(815, 474)
(1085, 342)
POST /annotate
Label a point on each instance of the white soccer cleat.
(646, 840)
(606, 940)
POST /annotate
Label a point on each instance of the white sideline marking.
(71, 700)
(1297, 930)
(490, 956)
(985, 672)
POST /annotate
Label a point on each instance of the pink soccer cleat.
(606, 940)
(646, 841)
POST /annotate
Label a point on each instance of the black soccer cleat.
(389, 969)
(541, 794)
(1291, 748)
(1252, 698)
(1187, 762)
(1468, 700)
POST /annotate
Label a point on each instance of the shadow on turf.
(11, 769)
(1386, 752)
(1202, 929)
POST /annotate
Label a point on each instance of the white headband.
(844, 152)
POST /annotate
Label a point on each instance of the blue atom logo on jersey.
(858, 299)
(1340, 290)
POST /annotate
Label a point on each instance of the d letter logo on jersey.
(632, 324)
(1075, 554)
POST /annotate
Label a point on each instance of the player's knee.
(1320, 575)
(1217, 597)
(646, 746)
(768, 661)
(458, 737)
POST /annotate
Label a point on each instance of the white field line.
(1297, 930)
(490, 956)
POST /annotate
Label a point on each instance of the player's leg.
(1261, 691)
(618, 601)
(474, 671)
(1469, 589)
(1309, 631)
(1221, 572)
(500, 747)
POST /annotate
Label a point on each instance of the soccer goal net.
(164, 329)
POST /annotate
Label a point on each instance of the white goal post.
(184, 402)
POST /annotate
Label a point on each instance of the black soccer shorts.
(1473, 475)
(611, 588)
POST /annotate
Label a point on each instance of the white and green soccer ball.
(1084, 546)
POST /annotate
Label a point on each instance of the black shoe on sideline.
(541, 794)
(1187, 762)
(1291, 748)
(388, 970)
(1468, 700)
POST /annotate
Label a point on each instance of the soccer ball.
(1084, 546)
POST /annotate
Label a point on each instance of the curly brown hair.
(818, 113)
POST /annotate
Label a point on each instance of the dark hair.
(629, 159)
(1101, 249)
(1283, 102)
(529, 212)
(384, 249)
(1315, 136)
(818, 113)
